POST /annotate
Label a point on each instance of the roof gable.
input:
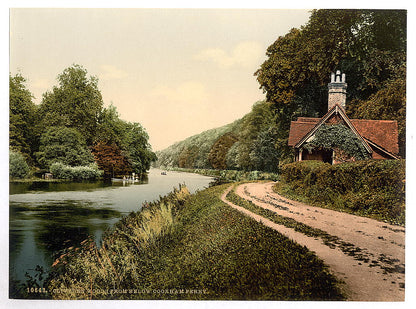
(336, 110)
(382, 134)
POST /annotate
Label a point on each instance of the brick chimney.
(337, 90)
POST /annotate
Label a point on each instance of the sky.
(177, 72)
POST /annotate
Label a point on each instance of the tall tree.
(75, 103)
(138, 148)
(111, 159)
(22, 117)
(259, 119)
(295, 75)
(64, 145)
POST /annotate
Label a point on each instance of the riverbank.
(229, 175)
(36, 179)
(191, 247)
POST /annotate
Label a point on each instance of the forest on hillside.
(70, 133)
(368, 45)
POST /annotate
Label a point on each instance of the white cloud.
(244, 54)
(111, 72)
(190, 92)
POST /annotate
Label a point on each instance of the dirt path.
(368, 256)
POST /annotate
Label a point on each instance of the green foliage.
(64, 145)
(130, 137)
(110, 128)
(374, 188)
(75, 103)
(258, 120)
(193, 152)
(184, 243)
(50, 133)
(295, 75)
(18, 167)
(338, 136)
(246, 144)
(22, 116)
(218, 152)
(387, 104)
(265, 156)
(89, 172)
(138, 148)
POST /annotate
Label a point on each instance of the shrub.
(18, 167)
(89, 172)
(367, 187)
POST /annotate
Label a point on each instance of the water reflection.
(46, 186)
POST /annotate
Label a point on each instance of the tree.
(265, 156)
(386, 104)
(295, 75)
(75, 103)
(110, 128)
(130, 137)
(259, 119)
(63, 145)
(138, 148)
(22, 117)
(18, 167)
(218, 153)
(111, 160)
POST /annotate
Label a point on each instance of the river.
(46, 218)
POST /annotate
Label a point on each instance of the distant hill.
(193, 152)
(245, 144)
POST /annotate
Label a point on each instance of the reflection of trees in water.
(15, 243)
(19, 188)
(56, 225)
(24, 187)
(65, 224)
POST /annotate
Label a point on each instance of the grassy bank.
(191, 247)
(371, 188)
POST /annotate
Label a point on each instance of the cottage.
(377, 139)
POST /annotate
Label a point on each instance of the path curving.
(366, 255)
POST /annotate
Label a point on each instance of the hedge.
(369, 187)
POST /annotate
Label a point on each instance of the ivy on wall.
(338, 137)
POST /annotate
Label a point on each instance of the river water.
(46, 218)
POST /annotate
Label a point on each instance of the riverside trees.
(368, 45)
(70, 121)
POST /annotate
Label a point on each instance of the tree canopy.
(368, 45)
(63, 145)
(75, 103)
(22, 117)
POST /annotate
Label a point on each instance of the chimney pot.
(337, 90)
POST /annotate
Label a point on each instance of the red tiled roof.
(299, 128)
(384, 133)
